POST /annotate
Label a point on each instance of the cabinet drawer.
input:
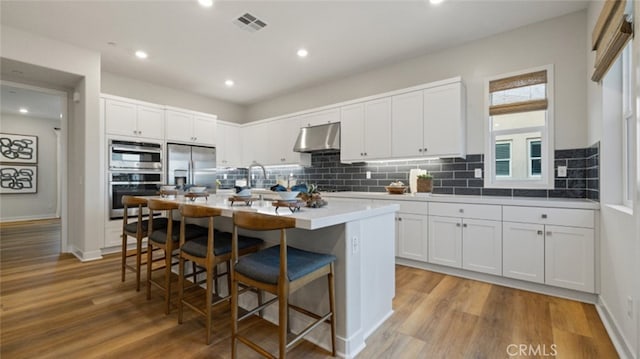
(464, 210)
(414, 207)
(556, 216)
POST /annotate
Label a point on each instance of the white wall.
(127, 87)
(85, 185)
(42, 204)
(620, 229)
(558, 41)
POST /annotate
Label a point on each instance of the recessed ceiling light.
(229, 83)
(435, 2)
(205, 3)
(23, 110)
(303, 53)
(141, 54)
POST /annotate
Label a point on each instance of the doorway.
(33, 143)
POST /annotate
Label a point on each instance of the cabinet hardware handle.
(457, 224)
(461, 210)
(425, 149)
(544, 216)
(195, 138)
(365, 153)
(419, 149)
(400, 219)
(548, 233)
(464, 225)
(361, 153)
(539, 233)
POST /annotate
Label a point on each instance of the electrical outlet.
(477, 173)
(562, 171)
(224, 176)
(630, 307)
(368, 174)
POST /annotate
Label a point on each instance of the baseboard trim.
(85, 256)
(613, 329)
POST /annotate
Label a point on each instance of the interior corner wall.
(86, 205)
(44, 202)
(113, 84)
(559, 41)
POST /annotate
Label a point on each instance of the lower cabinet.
(412, 236)
(482, 246)
(570, 257)
(523, 251)
(445, 241)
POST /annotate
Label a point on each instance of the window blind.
(514, 82)
(610, 35)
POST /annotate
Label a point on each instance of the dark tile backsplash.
(451, 175)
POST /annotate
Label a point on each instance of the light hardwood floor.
(53, 306)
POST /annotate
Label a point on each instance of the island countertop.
(337, 210)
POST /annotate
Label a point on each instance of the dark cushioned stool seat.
(158, 223)
(222, 243)
(264, 265)
(191, 231)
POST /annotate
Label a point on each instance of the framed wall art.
(18, 148)
(18, 179)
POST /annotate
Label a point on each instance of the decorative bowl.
(167, 188)
(289, 195)
(244, 193)
(197, 189)
(396, 189)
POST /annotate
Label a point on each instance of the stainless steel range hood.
(318, 138)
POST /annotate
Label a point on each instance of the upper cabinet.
(229, 145)
(191, 127)
(365, 131)
(430, 122)
(320, 117)
(132, 119)
(271, 143)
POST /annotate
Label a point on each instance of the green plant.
(425, 176)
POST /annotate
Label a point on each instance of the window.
(535, 157)
(519, 137)
(627, 128)
(503, 159)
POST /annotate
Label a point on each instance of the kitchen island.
(361, 236)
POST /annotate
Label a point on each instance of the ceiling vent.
(249, 23)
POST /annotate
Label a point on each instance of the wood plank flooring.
(53, 306)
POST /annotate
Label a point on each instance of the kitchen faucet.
(255, 164)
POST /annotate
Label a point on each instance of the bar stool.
(208, 252)
(280, 270)
(167, 239)
(139, 231)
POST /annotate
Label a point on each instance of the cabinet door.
(412, 237)
(443, 121)
(233, 145)
(179, 126)
(445, 241)
(352, 133)
(321, 117)
(482, 246)
(377, 129)
(255, 146)
(569, 258)
(222, 149)
(120, 118)
(204, 130)
(150, 122)
(407, 120)
(523, 251)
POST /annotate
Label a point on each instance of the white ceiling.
(39, 104)
(196, 49)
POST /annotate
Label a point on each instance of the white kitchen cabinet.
(444, 121)
(482, 246)
(408, 122)
(569, 257)
(254, 144)
(229, 145)
(411, 236)
(283, 136)
(132, 119)
(523, 251)
(320, 117)
(191, 127)
(366, 131)
(445, 241)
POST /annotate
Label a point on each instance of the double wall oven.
(135, 168)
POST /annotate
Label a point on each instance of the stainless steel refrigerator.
(191, 165)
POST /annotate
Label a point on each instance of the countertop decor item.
(425, 183)
(396, 187)
(288, 195)
(413, 179)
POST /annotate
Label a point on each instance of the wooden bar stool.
(207, 252)
(139, 230)
(280, 270)
(167, 239)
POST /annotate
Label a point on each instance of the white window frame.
(510, 159)
(531, 158)
(547, 179)
(627, 126)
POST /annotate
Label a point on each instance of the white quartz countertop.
(335, 212)
(576, 203)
